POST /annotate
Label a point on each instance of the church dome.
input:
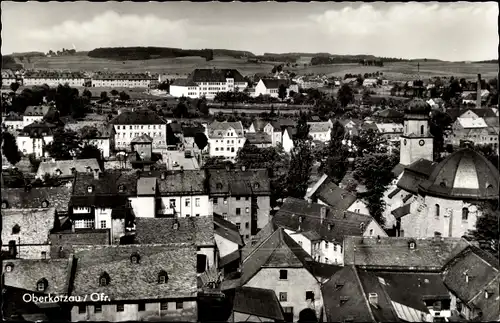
(418, 106)
(465, 174)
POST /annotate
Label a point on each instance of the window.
(247, 225)
(238, 225)
(247, 210)
(326, 244)
(215, 201)
(238, 211)
(300, 243)
(283, 297)
(238, 198)
(247, 198)
(188, 215)
(288, 313)
(40, 286)
(188, 202)
(326, 260)
(82, 309)
(225, 200)
(103, 224)
(310, 295)
(224, 216)
(371, 232)
(97, 308)
(437, 210)
(179, 305)
(172, 203)
(201, 263)
(197, 202)
(16, 229)
(44, 255)
(335, 247)
(247, 236)
(197, 214)
(465, 214)
(141, 307)
(283, 274)
(120, 307)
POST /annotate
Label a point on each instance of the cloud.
(110, 29)
(447, 31)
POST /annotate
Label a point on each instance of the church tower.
(416, 141)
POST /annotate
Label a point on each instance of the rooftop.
(318, 126)
(138, 118)
(136, 281)
(237, 182)
(257, 138)
(218, 129)
(258, 302)
(275, 83)
(182, 182)
(66, 168)
(33, 198)
(227, 230)
(34, 224)
(331, 194)
(216, 75)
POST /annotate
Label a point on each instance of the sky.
(458, 31)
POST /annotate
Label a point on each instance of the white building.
(225, 139)
(9, 77)
(13, 122)
(131, 124)
(35, 114)
(127, 80)
(416, 140)
(271, 87)
(184, 88)
(320, 229)
(213, 81)
(287, 140)
(53, 79)
(34, 138)
(320, 131)
(370, 82)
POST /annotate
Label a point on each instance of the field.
(178, 67)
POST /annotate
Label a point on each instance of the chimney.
(373, 299)
(182, 169)
(466, 277)
(323, 214)
(437, 236)
(163, 175)
(96, 173)
(478, 98)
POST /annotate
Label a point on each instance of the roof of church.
(418, 106)
(463, 174)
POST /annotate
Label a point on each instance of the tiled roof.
(472, 123)
(464, 174)
(430, 254)
(37, 110)
(218, 129)
(197, 230)
(415, 174)
(175, 127)
(35, 224)
(481, 270)
(183, 82)
(138, 117)
(482, 113)
(275, 83)
(490, 306)
(401, 211)
(336, 225)
(26, 273)
(389, 127)
(103, 131)
(397, 170)
(146, 186)
(53, 75)
(260, 124)
(230, 258)
(255, 138)
(258, 239)
(322, 270)
(182, 182)
(192, 131)
(67, 239)
(277, 251)
(19, 198)
(238, 182)
(411, 289)
(329, 193)
(66, 167)
(216, 75)
(344, 299)
(144, 138)
(38, 129)
(227, 230)
(318, 127)
(121, 76)
(258, 302)
(131, 281)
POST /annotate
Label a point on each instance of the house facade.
(271, 87)
(212, 81)
(225, 139)
(184, 88)
(127, 80)
(34, 138)
(53, 79)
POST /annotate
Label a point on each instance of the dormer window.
(121, 188)
(135, 258)
(89, 169)
(256, 185)
(9, 267)
(301, 219)
(412, 245)
(58, 172)
(42, 285)
(45, 204)
(5, 205)
(162, 277)
(104, 279)
(90, 188)
(218, 186)
(16, 229)
(443, 184)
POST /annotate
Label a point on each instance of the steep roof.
(26, 273)
(19, 198)
(67, 239)
(258, 239)
(183, 82)
(464, 174)
(181, 182)
(430, 254)
(472, 123)
(34, 224)
(336, 225)
(137, 117)
(37, 110)
(331, 194)
(216, 75)
(197, 230)
(227, 230)
(257, 301)
(275, 83)
(318, 126)
(238, 182)
(142, 139)
(217, 129)
(131, 281)
(277, 251)
(67, 167)
(415, 174)
(256, 138)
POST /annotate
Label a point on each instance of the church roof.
(465, 174)
(418, 106)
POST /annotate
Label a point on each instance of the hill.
(491, 61)
(28, 54)
(145, 53)
(8, 62)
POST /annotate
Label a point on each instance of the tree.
(90, 151)
(104, 96)
(124, 96)
(366, 95)
(9, 148)
(87, 94)
(14, 87)
(375, 173)
(301, 161)
(334, 161)
(200, 140)
(487, 228)
(209, 56)
(114, 92)
(180, 110)
(439, 123)
(65, 145)
(215, 162)
(282, 92)
(369, 142)
(202, 106)
(345, 95)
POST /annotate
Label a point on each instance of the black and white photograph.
(305, 162)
